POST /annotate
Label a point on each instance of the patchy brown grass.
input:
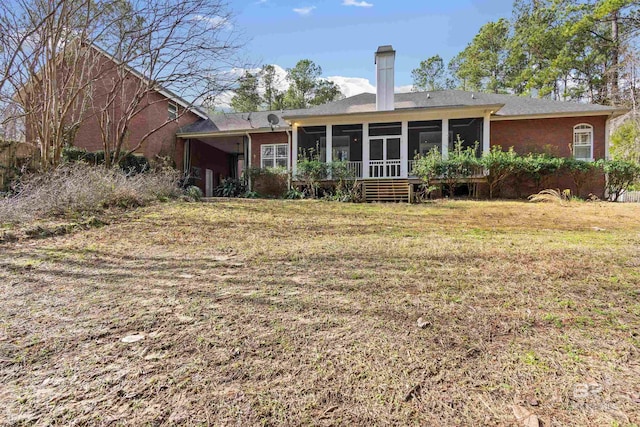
(306, 313)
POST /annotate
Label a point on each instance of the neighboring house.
(379, 134)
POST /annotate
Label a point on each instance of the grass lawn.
(319, 313)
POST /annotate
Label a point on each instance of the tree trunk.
(615, 59)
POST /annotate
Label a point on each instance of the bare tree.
(108, 61)
(186, 46)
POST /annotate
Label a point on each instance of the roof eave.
(235, 132)
(614, 112)
(399, 111)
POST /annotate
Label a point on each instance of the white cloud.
(304, 11)
(214, 21)
(356, 3)
(350, 86)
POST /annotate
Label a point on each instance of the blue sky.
(341, 38)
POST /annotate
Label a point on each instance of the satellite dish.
(273, 120)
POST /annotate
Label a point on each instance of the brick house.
(379, 134)
(111, 91)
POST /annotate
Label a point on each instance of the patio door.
(384, 157)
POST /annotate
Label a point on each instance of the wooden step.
(387, 190)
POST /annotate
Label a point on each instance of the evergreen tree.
(246, 96)
(430, 75)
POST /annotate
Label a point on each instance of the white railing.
(384, 168)
(355, 168)
(410, 167)
(630, 197)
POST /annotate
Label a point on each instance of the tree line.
(306, 88)
(556, 49)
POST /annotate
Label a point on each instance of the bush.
(500, 165)
(581, 172)
(311, 172)
(78, 189)
(621, 175)
(231, 187)
(270, 182)
(131, 163)
(461, 164)
(428, 168)
(194, 193)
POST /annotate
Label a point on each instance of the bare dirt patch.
(315, 313)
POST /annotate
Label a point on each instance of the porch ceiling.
(228, 144)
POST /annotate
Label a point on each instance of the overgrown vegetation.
(271, 312)
(500, 166)
(269, 182)
(131, 163)
(77, 189)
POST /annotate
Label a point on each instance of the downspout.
(249, 183)
(290, 174)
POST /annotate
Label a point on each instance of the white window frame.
(172, 111)
(273, 159)
(579, 130)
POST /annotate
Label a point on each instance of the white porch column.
(404, 150)
(329, 148)
(486, 133)
(294, 149)
(365, 150)
(445, 139)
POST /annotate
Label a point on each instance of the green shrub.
(428, 168)
(581, 172)
(461, 164)
(500, 165)
(131, 163)
(312, 172)
(231, 187)
(194, 193)
(294, 194)
(621, 175)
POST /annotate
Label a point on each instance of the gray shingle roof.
(237, 122)
(505, 105)
(513, 105)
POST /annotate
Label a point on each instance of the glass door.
(384, 157)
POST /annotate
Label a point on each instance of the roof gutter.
(237, 132)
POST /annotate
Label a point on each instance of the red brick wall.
(152, 113)
(552, 136)
(205, 156)
(258, 139)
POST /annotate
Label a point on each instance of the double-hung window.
(172, 111)
(275, 156)
(583, 142)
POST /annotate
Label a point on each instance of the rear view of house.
(379, 135)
